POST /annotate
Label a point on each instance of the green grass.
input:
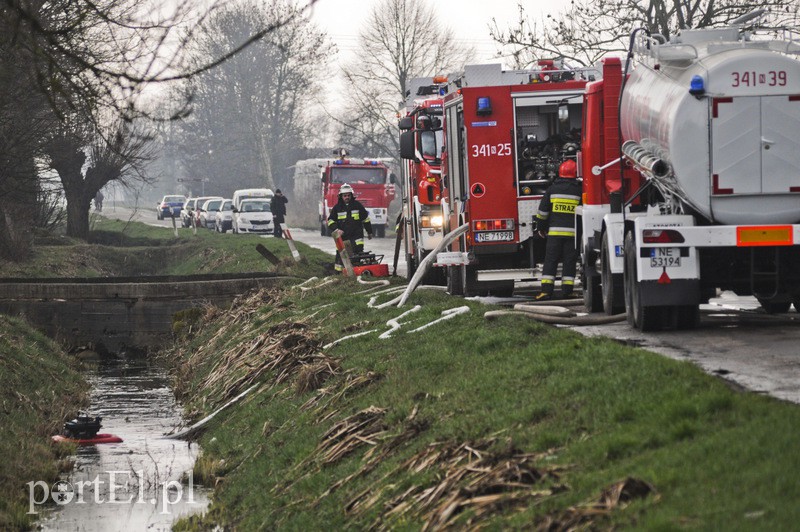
(39, 389)
(595, 411)
(719, 459)
(117, 248)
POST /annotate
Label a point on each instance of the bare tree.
(589, 29)
(401, 40)
(86, 161)
(250, 114)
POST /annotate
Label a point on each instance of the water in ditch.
(143, 483)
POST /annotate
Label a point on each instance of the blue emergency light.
(697, 86)
(484, 105)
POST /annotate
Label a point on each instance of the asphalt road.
(736, 340)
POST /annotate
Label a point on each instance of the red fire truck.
(421, 142)
(506, 133)
(372, 183)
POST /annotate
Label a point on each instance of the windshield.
(371, 176)
(227, 206)
(255, 206)
(213, 205)
(174, 199)
(431, 143)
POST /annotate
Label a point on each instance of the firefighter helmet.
(346, 189)
(423, 122)
(568, 169)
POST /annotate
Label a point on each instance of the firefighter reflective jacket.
(557, 208)
(350, 218)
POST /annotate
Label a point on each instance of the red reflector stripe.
(794, 98)
(764, 235)
(715, 105)
(716, 188)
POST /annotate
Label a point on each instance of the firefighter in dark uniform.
(350, 216)
(556, 218)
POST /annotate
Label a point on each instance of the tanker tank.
(723, 112)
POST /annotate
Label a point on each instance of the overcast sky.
(469, 19)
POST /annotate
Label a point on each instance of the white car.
(208, 211)
(223, 219)
(253, 216)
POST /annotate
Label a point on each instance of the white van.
(253, 216)
(248, 193)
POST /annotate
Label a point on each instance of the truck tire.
(454, 284)
(592, 291)
(640, 317)
(775, 307)
(323, 229)
(611, 284)
(469, 282)
(380, 231)
(411, 266)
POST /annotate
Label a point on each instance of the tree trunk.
(78, 216)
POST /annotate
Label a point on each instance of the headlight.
(426, 220)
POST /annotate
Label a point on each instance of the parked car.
(224, 217)
(170, 207)
(199, 201)
(188, 212)
(208, 211)
(253, 216)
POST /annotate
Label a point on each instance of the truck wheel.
(380, 231)
(643, 318)
(323, 229)
(592, 292)
(454, 283)
(775, 307)
(411, 267)
(612, 284)
(796, 303)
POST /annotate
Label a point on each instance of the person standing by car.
(349, 216)
(556, 217)
(278, 207)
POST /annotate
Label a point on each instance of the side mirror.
(563, 112)
(407, 148)
(392, 179)
(405, 123)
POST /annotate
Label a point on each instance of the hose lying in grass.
(426, 262)
(394, 323)
(192, 431)
(446, 315)
(599, 319)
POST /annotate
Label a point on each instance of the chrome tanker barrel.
(721, 113)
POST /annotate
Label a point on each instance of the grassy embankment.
(118, 248)
(509, 424)
(40, 386)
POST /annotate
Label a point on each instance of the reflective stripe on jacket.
(352, 218)
(558, 204)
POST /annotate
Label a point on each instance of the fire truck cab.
(506, 134)
(372, 184)
(421, 143)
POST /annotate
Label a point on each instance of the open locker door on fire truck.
(762, 159)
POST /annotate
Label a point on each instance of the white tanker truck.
(710, 121)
